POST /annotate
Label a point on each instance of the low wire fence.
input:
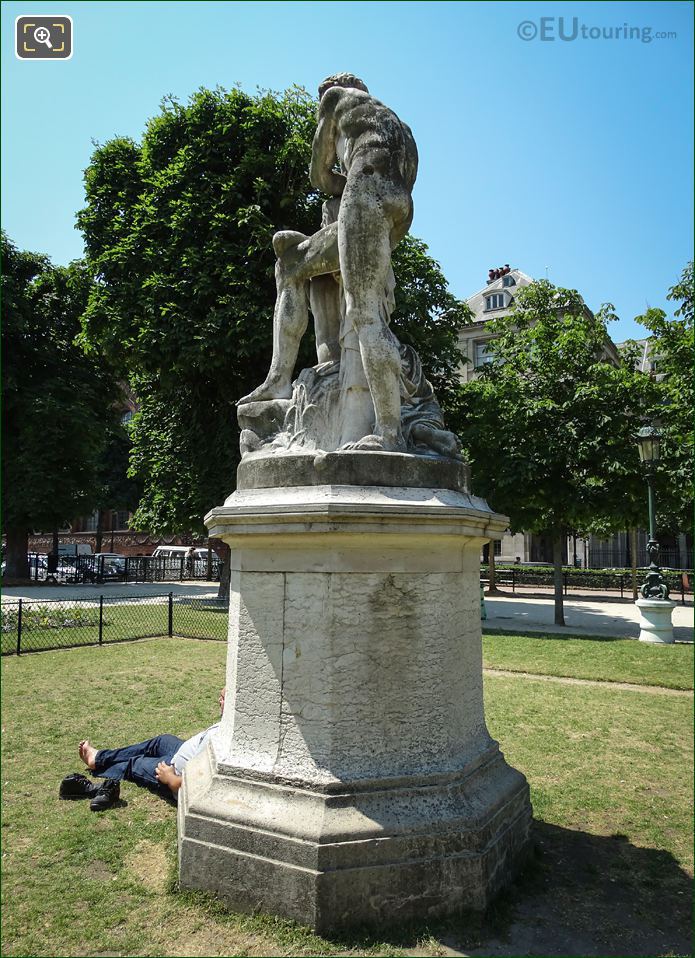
(680, 581)
(97, 569)
(30, 625)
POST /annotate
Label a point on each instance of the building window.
(508, 281)
(483, 354)
(126, 416)
(120, 519)
(495, 301)
(90, 523)
(497, 547)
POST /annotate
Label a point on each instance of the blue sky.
(573, 156)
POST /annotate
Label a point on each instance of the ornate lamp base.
(655, 620)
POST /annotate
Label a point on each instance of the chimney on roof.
(497, 273)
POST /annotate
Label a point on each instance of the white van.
(72, 549)
(175, 552)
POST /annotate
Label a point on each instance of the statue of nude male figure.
(377, 157)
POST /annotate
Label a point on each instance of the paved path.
(582, 617)
(111, 590)
(568, 680)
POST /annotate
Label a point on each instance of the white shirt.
(190, 748)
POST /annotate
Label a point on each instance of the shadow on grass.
(579, 895)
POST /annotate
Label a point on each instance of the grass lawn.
(610, 773)
(619, 660)
(50, 625)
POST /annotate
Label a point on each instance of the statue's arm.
(323, 155)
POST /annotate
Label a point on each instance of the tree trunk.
(492, 584)
(100, 531)
(633, 562)
(17, 566)
(56, 537)
(223, 592)
(558, 539)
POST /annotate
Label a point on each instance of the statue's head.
(348, 80)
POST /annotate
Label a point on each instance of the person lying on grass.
(156, 763)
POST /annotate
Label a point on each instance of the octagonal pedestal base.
(390, 853)
(352, 779)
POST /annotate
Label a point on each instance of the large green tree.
(672, 348)
(58, 404)
(178, 232)
(550, 422)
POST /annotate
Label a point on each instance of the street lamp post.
(649, 442)
(655, 606)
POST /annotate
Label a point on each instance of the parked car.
(111, 565)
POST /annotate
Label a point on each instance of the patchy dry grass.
(610, 774)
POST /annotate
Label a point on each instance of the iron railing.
(97, 569)
(680, 581)
(604, 558)
(36, 625)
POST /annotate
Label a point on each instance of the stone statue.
(352, 779)
(361, 395)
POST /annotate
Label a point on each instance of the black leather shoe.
(77, 786)
(107, 795)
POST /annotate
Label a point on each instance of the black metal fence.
(97, 569)
(605, 558)
(680, 581)
(33, 625)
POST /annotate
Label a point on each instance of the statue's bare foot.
(376, 443)
(267, 391)
(88, 753)
(445, 443)
(439, 440)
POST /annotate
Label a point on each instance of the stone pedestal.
(353, 779)
(655, 620)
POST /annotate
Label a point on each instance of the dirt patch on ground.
(99, 871)
(210, 942)
(148, 864)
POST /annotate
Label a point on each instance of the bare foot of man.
(440, 440)
(270, 389)
(376, 443)
(88, 754)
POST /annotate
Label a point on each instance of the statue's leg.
(324, 300)
(364, 242)
(298, 260)
(290, 320)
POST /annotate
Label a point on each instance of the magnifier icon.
(43, 35)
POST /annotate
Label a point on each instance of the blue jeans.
(136, 763)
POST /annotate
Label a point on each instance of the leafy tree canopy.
(57, 403)
(550, 422)
(178, 232)
(672, 349)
